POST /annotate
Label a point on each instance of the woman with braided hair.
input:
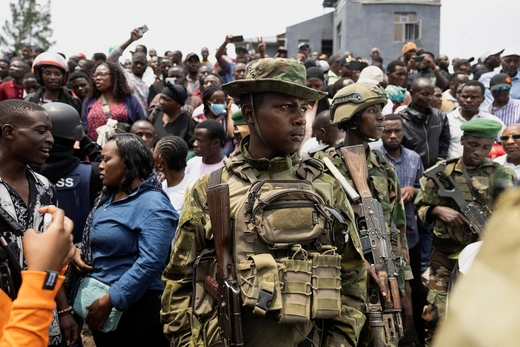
(170, 157)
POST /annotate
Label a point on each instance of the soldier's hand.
(449, 216)
(372, 276)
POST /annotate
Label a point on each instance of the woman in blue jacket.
(126, 242)
(109, 97)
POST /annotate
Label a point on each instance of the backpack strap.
(310, 169)
(215, 177)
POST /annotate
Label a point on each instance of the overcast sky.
(468, 27)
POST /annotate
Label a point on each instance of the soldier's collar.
(486, 163)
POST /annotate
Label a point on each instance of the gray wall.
(367, 24)
(371, 24)
(312, 31)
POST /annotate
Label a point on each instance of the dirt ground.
(86, 337)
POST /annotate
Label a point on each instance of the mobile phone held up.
(418, 58)
(239, 38)
(142, 30)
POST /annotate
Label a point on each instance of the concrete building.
(360, 25)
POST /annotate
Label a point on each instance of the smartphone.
(239, 38)
(170, 80)
(418, 58)
(144, 29)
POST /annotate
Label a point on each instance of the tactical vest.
(284, 247)
(74, 197)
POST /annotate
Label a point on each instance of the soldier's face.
(281, 120)
(475, 149)
(372, 122)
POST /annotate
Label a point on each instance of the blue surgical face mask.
(218, 108)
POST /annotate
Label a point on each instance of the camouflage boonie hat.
(278, 75)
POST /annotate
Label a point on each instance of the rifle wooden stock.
(384, 313)
(228, 291)
(356, 165)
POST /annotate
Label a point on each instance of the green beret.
(486, 128)
(238, 118)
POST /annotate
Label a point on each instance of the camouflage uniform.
(384, 186)
(448, 241)
(194, 235)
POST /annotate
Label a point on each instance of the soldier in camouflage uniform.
(274, 99)
(451, 233)
(357, 109)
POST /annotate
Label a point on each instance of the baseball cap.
(500, 80)
(302, 44)
(409, 46)
(493, 51)
(511, 51)
(241, 49)
(371, 74)
(191, 55)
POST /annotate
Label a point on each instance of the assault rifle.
(227, 290)
(476, 218)
(384, 313)
(10, 269)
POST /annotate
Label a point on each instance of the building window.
(338, 34)
(406, 27)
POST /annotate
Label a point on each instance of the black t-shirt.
(183, 127)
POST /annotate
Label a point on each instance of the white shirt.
(456, 120)
(196, 168)
(178, 193)
(503, 160)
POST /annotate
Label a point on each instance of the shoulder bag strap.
(106, 108)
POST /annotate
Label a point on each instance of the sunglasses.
(501, 89)
(506, 137)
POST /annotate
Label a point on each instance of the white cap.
(492, 51)
(511, 51)
(371, 74)
(323, 65)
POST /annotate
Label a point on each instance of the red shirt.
(11, 90)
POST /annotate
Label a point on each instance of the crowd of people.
(129, 151)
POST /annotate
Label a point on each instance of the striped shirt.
(409, 169)
(509, 113)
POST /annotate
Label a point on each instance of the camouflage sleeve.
(426, 198)
(177, 276)
(345, 329)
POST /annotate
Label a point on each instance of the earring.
(160, 167)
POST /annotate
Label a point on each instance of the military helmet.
(353, 99)
(50, 59)
(66, 123)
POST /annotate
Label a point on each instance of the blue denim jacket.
(130, 241)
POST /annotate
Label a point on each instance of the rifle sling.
(472, 189)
